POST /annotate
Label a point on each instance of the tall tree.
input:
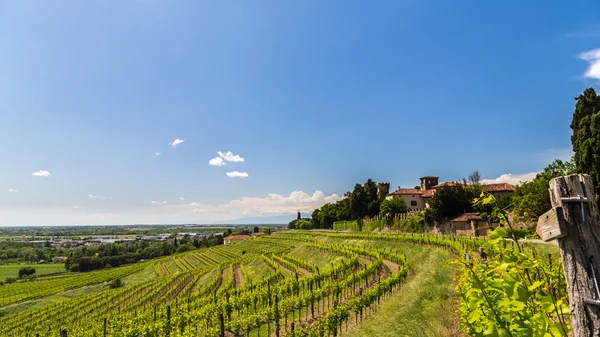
(371, 197)
(450, 201)
(358, 202)
(531, 199)
(474, 178)
(316, 218)
(586, 135)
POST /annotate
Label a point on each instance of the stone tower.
(428, 182)
(383, 189)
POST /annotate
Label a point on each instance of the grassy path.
(424, 306)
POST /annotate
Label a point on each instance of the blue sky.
(313, 95)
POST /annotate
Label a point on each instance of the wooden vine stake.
(575, 222)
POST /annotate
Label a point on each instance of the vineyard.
(298, 284)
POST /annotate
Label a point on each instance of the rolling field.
(12, 270)
(316, 284)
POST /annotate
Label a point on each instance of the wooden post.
(221, 325)
(578, 232)
(104, 326)
(168, 319)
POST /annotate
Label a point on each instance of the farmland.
(297, 283)
(41, 269)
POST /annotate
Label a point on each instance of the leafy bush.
(354, 225)
(116, 283)
(26, 271)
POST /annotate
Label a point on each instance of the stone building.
(420, 197)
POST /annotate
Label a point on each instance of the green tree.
(390, 207)
(256, 230)
(531, 199)
(371, 198)
(586, 135)
(342, 208)
(358, 202)
(316, 219)
(450, 201)
(26, 271)
(327, 215)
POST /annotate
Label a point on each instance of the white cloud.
(229, 156)
(273, 204)
(12, 190)
(95, 196)
(513, 179)
(158, 202)
(236, 174)
(176, 142)
(217, 161)
(41, 173)
(157, 153)
(75, 207)
(593, 58)
(181, 198)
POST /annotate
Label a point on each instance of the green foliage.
(363, 202)
(450, 201)
(511, 294)
(26, 271)
(586, 134)
(301, 224)
(414, 224)
(389, 207)
(531, 199)
(353, 225)
(116, 283)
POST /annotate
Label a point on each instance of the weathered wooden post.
(574, 220)
(105, 326)
(221, 325)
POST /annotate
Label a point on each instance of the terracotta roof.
(237, 237)
(259, 234)
(403, 191)
(428, 193)
(447, 183)
(498, 187)
(467, 217)
(430, 177)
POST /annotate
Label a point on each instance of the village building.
(420, 196)
(469, 224)
(235, 238)
(59, 259)
(254, 235)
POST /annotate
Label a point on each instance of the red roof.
(447, 183)
(237, 237)
(428, 193)
(259, 234)
(502, 187)
(467, 217)
(404, 191)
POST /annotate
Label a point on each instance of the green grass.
(37, 303)
(142, 275)
(257, 270)
(423, 306)
(319, 258)
(12, 270)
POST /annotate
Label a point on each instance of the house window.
(413, 203)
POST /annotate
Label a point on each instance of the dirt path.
(238, 277)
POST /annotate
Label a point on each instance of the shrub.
(116, 283)
(26, 271)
